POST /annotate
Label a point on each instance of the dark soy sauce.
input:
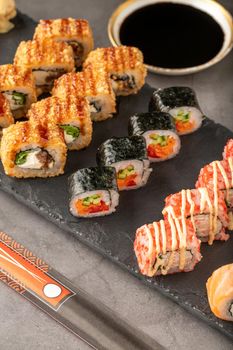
(173, 35)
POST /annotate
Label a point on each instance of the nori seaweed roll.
(93, 192)
(158, 129)
(128, 155)
(181, 102)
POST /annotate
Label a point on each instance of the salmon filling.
(91, 204)
(160, 146)
(126, 177)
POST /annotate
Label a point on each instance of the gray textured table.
(24, 327)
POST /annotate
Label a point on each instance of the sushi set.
(143, 144)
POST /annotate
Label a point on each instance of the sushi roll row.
(122, 165)
(38, 147)
(205, 211)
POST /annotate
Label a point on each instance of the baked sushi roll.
(29, 150)
(228, 149)
(220, 292)
(75, 32)
(218, 176)
(71, 115)
(6, 118)
(159, 131)
(93, 192)
(48, 60)
(124, 65)
(128, 156)
(167, 246)
(17, 84)
(181, 102)
(93, 84)
(207, 212)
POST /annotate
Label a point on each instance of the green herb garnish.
(19, 98)
(71, 130)
(21, 157)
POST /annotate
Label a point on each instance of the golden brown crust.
(63, 27)
(73, 111)
(6, 117)
(90, 82)
(35, 54)
(116, 59)
(13, 76)
(23, 135)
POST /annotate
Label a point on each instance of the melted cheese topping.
(230, 161)
(164, 237)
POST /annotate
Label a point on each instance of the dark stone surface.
(214, 90)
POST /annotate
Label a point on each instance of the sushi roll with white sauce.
(93, 192)
(159, 131)
(128, 156)
(181, 102)
(165, 247)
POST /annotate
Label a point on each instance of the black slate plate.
(113, 235)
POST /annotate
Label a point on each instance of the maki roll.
(75, 32)
(47, 59)
(208, 214)
(220, 292)
(218, 175)
(228, 149)
(93, 84)
(71, 115)
(6, 117)
(165, 247)
(29, 150)
(17, 84)
(124, 64)
(159, 131)
(181, 102)
(93, 192)
(128, 156)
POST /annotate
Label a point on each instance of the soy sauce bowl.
(217, 12)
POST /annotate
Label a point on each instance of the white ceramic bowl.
(211, 7)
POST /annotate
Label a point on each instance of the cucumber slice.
(19, 98)
(21, 157)
(71, 130)
(122, 174)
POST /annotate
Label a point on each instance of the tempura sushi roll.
(93, 192)
(220, 292)
(48, 60)
(159, 131)
(29, 150)
(228, 149)
(93, 84)
(167, 246)
(6, 117)
(128, 156)
(75, 32)
(17, 84)
(218, 175)
(207, 212)
(181, 102)
(71, 115)
(124, 65)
